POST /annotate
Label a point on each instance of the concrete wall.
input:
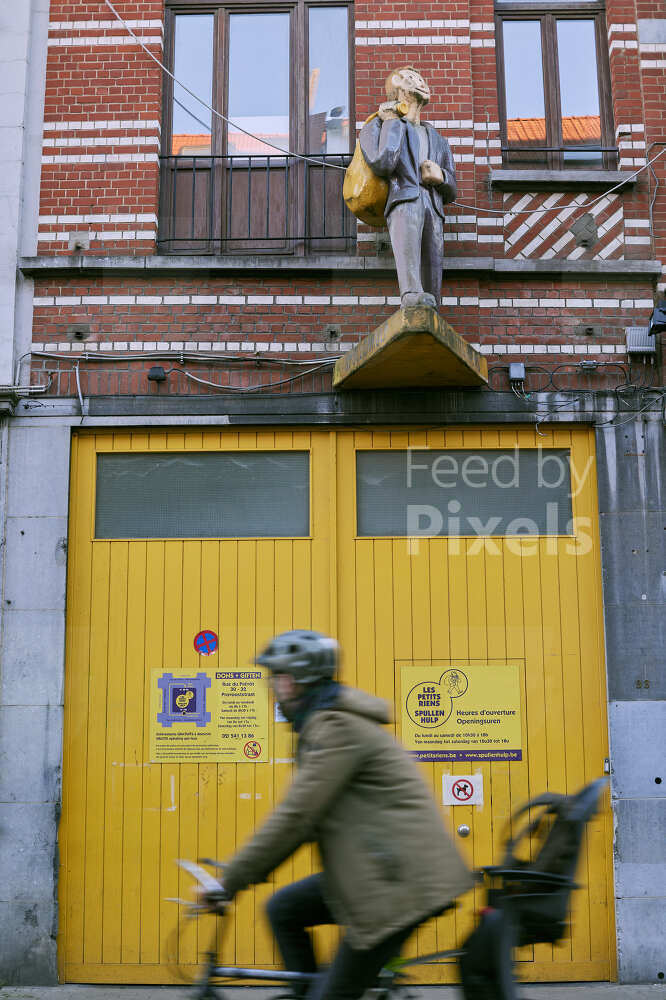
(632, 501)
(23, 34)
(33, 509)
(31, 696)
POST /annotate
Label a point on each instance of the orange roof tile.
(584, 128)
(575, 128)
(238, 143)
(185, 141)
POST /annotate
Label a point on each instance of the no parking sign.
(462, 789)
(206, 642)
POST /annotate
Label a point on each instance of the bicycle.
(528, 903)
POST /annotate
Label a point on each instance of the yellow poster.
(461, 712)
(200, 716)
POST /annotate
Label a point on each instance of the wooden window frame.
(296, 216)
(299, 62)
(553, 157)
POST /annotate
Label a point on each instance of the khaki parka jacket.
(387, 859)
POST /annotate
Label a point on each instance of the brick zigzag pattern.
(547, 234)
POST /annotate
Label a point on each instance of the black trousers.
(301, 905)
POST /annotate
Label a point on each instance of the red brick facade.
(100, 175)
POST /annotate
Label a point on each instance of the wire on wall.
(543, 408)
(256, 359)
(335, 166)
(205, 104)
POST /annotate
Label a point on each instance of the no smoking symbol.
(463, 790)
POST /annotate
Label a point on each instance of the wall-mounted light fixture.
(657, 322)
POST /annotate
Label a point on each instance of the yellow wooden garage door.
(134, 605)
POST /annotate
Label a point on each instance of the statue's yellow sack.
(364, 192)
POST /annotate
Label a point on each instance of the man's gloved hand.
(214, 901)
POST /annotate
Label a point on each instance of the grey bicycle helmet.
(308, 656)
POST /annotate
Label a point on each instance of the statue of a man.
(418, 165)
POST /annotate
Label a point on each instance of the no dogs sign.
(462, 789)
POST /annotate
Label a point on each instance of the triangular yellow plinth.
(414, 347)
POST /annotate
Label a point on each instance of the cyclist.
(388, 863)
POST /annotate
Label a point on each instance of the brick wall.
(652, 66)
(102, 127)
(100, 174)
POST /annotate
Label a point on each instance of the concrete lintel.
(149, 266)
(369, 406)
(606, 269)
(560, 180)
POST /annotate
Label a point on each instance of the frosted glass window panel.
(258, 83)
(244, 494)
(579, 90)
(477, 493)
(523, 75)
(193, 66)
(328, 84)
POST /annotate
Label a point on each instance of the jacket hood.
(362, 703)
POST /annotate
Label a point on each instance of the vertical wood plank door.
(534, 601)
(135, 604)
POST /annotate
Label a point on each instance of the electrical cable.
(241, 388)
(542, 408)
(209, 107)
(28, 390)
(656, 184)
(314, 366)
(584, 204)
(547, 409)
(550, 376)
(78, 388)
(257, 359)
(335, 166)
(633, 415)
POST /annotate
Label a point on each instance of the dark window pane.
(477, 493)
(210, 495)
(258, 82)
(193, 66)
(328, 61)
(579, 90)
(523, 71)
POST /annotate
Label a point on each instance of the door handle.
(463, 830)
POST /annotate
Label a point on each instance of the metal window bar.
(193, 198)
(189, 187)
(211, 195)
(249, 198)
(559, 149)
(287, 213)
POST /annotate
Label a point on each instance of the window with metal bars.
(282, 77)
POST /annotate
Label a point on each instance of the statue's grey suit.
(414, 212)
